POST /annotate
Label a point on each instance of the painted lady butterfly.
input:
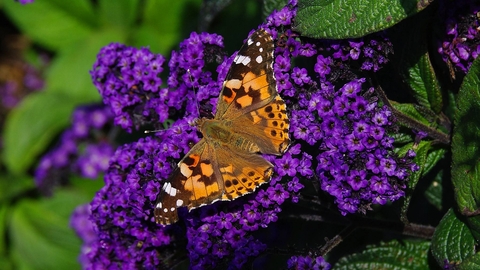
(251, 118)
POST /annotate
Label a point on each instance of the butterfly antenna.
(166, 125)
(153, 131)
(195, 89)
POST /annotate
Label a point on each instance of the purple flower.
(128, 81)
(458, 45)
(322, 67)
(307, 262)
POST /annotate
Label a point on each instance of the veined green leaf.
(337, 19)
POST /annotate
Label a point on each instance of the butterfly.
(251, 118)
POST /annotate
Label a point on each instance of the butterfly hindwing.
(195, 182)
(268, 126)
(241, 172)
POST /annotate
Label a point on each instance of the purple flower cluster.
(83, 149)
(361, 169)
(340, 135)
(307, 262)
(128, 80)
(460, 46)
(225, 229)
(122, 211)
(335, 114)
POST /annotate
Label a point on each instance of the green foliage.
(76, 31)
(31, 126)
(392, 255)
(466, 142)
(336, 19)
(40, 235)
(452, 240)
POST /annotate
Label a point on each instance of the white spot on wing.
(258, 43)
(159, 205)
(172, 209)
(249, 41)
(167, 187)
(260, 50)
(179, 203)
(165, 210)
(259, 59)
(241, 59)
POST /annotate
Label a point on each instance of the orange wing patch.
(245, 175)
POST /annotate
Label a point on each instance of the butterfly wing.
(195, 182)
(241, 172)
(250, 82)
(207, 174)
(266, 126)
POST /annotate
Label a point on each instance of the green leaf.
(3, 222)
(53, 23)
(425, 85)
(30, 127)
(337, 19)
(452, 240)
(393, 255)
(474, 225)
(40, 233)
(162, 35)
(434, 156)
(434, 193)
(120, 13)
(471, 263)
(466, 143)
(401, 138)
(69, 72)
(412, 59)
(5, 263)
(209, 11)
(87, 186)
(12, 186)
(270, 5)
(412, 111)
(149, 36)
(420, 159)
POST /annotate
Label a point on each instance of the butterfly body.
(250, 119)
(219, 134)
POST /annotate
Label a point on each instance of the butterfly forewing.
(250, 83)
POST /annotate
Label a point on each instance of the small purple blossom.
(307, 262)
(459, 45)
